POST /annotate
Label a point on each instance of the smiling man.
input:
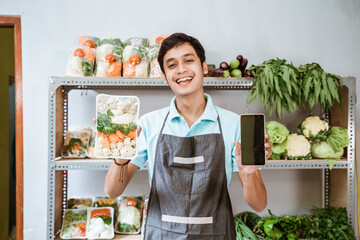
(192, 148)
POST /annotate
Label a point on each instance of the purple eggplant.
(224, 65)
(239, 57)
(217, 72)
(247, 73)
(243, 64)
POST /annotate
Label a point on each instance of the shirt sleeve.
(238, 139)
(141, 146)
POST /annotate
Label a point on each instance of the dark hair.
(176, 40)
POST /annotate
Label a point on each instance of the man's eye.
(189, 60)
(171, 66)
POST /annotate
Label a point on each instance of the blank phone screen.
(252, 140)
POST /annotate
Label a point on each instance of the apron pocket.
(181, 180)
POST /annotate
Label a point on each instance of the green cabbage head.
(278, 133)
(338, 138)
(324, 150)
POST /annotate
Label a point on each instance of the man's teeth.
(183, 79)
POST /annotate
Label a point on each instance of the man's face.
(184, 71)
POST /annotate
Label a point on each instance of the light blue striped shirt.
(176, 125)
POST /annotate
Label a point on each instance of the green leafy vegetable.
(87, 68)
(324, 150)
(107, 220)
(278, 133)
(338, 138)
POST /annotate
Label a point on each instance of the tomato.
(135, 59)
(90, 43)
(159, 40)
(131, 202)
(110, 58)
(79, 52)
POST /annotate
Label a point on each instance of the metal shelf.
(104, 164)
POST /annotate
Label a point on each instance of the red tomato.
(90, 43)
(79, 52)
(135, 59)
(110, 58)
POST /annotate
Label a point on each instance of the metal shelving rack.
(59, 88)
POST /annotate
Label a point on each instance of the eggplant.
(243, 64)
(247, 73)
(217, 72)
(240, 58)
(224, 66)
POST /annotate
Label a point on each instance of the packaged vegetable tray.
(129, 215)
(81, 62)
(108, 60)
(100, 223)
(116, 124)
(136, 41)
(155, 70)
(79, 203)
(74, 224)
(76, 144)
(135, 61)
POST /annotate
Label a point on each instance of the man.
(192, 147)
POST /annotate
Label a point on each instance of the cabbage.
(278, 133)
(278, 150)
(338, 138)
(324, 150)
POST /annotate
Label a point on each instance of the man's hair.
(176, 40)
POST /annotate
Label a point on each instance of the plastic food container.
(81, 62)
(116, 124)
(129, 215)
(100, 223)
(76, 144)
(137, 41)
(79, 203)
(109, 60)
(74, 224)
(135, 61)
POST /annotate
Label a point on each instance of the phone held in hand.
(252, 139)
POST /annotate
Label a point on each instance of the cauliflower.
(126, 118)
(313, 128)
(127, 151)
(298, 147)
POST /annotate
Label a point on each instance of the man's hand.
(251, 169)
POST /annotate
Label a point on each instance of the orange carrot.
(121, 135)
(89, 54)
(82, 40)
(132, 134)
(106, 143)
(129, 70)
(114, 138)
(100, 212)
(114, 70)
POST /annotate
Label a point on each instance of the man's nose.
(181, 68)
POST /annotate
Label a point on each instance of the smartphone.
(252, 139)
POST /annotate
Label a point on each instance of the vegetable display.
(129, 215)
(108, 60)
(100, 223)
(81, 62)
(282, 86)
(74, 224)
(76, 144)
(136, 61)
(116, 126)
(236, 68)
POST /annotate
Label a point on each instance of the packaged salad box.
(129, 215)
(109, 60)
(100, 223)
(74, 224)
(81, 61)
(135, 61)
(79, 203)
(116, 124)
(76, 144)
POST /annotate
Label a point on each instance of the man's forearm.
(254, 190)
(114, 185)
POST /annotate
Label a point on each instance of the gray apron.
(189, 197)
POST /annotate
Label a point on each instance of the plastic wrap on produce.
(108, 60)
(74, 224)
(100, 223)
(84, 41)
(157, 39)
(136, 41)
(76, 144)
(112, 41)
(136, 61)
(129, 215)
(155, 70)
(116, 126)
(81, 62)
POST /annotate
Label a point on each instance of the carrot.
(132, 134)
(129, 70)
(100, 212)
(82, 40)
(121, 135)
(114, 70)
(106, 143)
(89, 54)
(114, 138)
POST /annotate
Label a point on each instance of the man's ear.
(164, 77)
(205, 67)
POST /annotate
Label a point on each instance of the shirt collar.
(209, 113)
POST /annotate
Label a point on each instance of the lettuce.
(324, 150)
(278, 133)
(338, 138)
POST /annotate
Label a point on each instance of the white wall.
(323, 31)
